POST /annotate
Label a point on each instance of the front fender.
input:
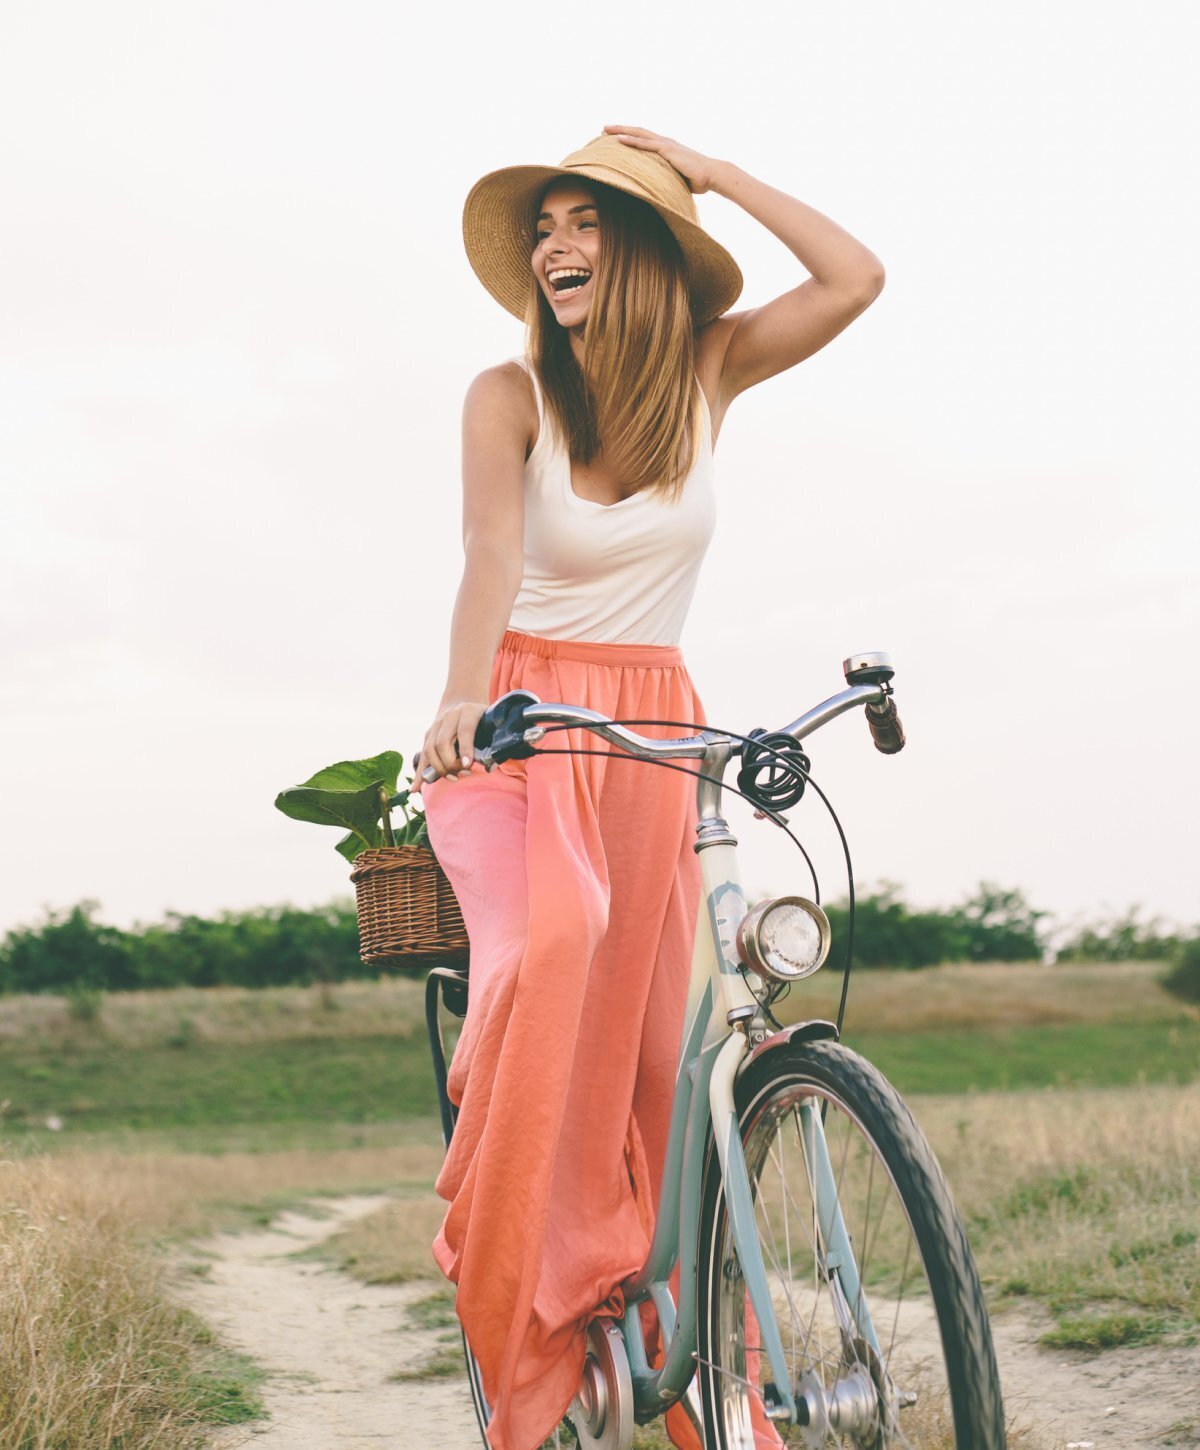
(818, 1030)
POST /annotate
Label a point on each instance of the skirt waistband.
(593, 652)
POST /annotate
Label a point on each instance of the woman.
(588, 506)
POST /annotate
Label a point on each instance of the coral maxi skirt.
(579, 887)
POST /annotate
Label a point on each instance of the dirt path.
(331, 1344)
(1124, 1399)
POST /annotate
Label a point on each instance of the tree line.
(71, 950)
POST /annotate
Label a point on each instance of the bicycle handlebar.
(511, 726)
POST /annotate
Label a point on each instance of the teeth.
(566, 272)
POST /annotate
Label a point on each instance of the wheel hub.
(848, 1407)
(854, 1408)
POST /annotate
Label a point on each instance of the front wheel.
(888, 1344)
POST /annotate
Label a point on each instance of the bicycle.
(827, 1292)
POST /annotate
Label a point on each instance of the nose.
(553, 244)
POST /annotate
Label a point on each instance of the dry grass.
(994, 995)
(391, 1245)
(93, 1349)
(223, 1014)
(1088, 1201)
(173, 1194)
(960, 996)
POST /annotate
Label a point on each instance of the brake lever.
(497, 732)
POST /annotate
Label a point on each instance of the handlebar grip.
(500, 731)
(499, 736)
(886, 729)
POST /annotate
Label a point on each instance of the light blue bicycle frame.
(723, 1019)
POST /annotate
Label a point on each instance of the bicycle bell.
(870, 667)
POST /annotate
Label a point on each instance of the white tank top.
(621, 573)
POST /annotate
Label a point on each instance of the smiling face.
(566, 252)
(611, 332)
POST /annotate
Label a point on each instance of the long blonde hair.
(637, 390)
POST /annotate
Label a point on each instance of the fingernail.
(466, 760)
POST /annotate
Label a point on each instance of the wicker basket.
(407, 913)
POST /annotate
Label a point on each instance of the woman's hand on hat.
(695, 169)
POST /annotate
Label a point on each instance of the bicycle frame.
(723, 1027)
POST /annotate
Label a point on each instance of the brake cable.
(787, 763)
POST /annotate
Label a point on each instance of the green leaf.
(357, 813)
(413, 832)
(355, 775)
(350, 845)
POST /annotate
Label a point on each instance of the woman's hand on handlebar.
(449, 745)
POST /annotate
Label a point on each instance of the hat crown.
(644, 172)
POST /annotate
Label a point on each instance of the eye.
(540, 236)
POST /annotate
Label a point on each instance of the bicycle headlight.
(784, 937)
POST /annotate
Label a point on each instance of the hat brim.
(496, 217)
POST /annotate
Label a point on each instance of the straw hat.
(499, 207)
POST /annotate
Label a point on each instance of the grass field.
(1061, 1101)
(210, 1089)
(228, 1062)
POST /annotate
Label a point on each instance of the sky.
(237, 324)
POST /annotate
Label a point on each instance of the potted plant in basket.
(407, 914)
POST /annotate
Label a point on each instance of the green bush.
(68, 951)
(71, 953)
(1183, 980)
(1125, 938)
(996, 925)
(993, 925)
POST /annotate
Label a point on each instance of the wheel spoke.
(811, 1237)
(887, 1359)
(788, 1288)
(817, 1256)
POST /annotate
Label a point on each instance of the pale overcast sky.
(238, 323)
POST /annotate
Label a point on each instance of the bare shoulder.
(501, 400)
(495, 428)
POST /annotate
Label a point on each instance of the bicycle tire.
(945, 1357)
(483, 1411)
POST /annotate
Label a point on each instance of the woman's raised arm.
(844, 278)
(496, 431)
